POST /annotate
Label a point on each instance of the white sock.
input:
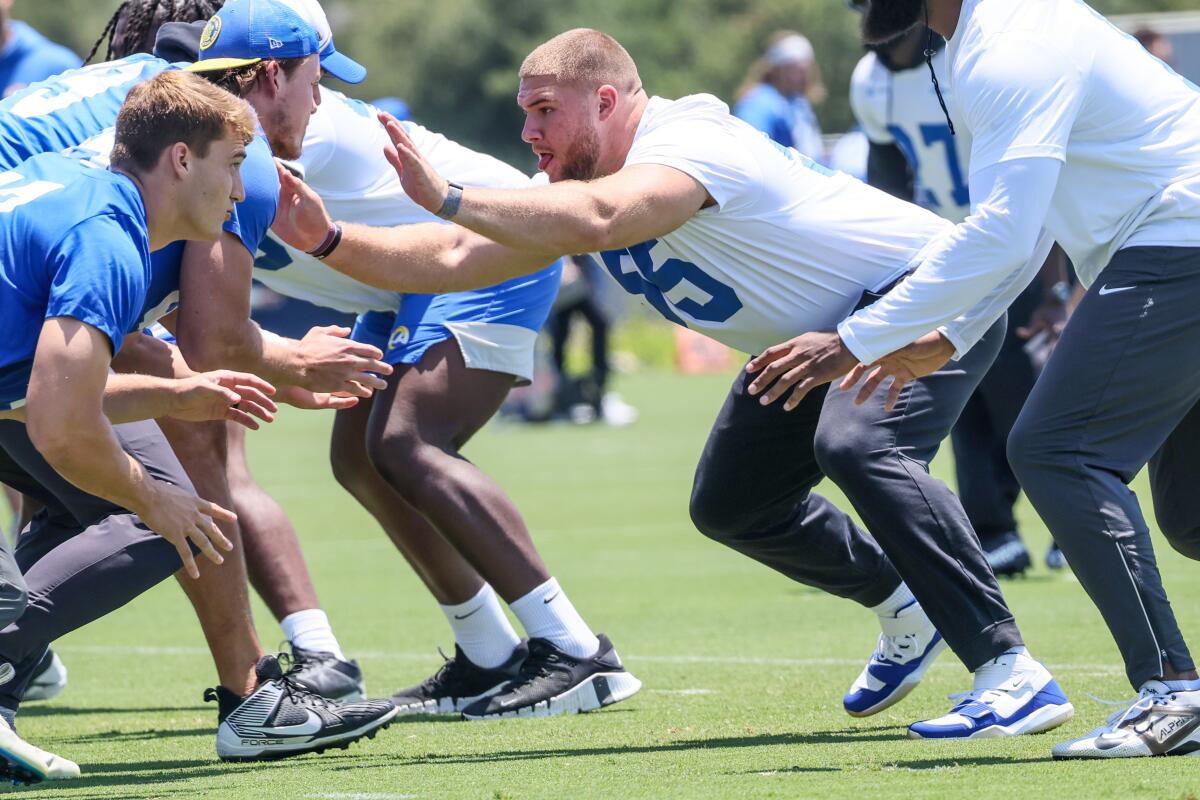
(482, 631)
(546, 613)
(897, 600)
(309, 630)
(1003, 667)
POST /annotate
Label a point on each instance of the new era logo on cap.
(244, 32)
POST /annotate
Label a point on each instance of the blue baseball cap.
(245, 32)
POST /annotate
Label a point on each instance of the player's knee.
(840, 451)
(13, 599)
(404, 462)
(1183, 534)
(1027, 452)
(349, 462)
(714, 514)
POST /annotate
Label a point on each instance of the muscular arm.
(215, 331)
(512, 231)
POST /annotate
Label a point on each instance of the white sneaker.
(1013, 694)
(21, 762)
(907, 647)
(49, 681)
(1158, 722)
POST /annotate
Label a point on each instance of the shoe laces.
(1133, 708)
(295, 691)
(896, 649)
(542, 662)
(448, 672)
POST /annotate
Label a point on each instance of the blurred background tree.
(455, 61)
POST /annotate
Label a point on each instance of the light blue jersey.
(69, 108)
(73, 243)
(79, 108)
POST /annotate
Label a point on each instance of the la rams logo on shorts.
(211, 31)
(398, 337)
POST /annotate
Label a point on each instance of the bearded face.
(884, 20)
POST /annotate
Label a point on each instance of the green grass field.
(743, 670)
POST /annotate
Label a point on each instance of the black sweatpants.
(1120, 390)
(753, 492)
(82, 557)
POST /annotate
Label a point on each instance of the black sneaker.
(457, 684)
(1006, 555)
(327, 675)
(552, 682)
(282, 718)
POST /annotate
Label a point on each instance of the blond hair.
(175, 106)
(584, 57)
(762, 71)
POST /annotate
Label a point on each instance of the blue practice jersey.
(70, 108)
(79, 108)
(73, 243)
(29, 57)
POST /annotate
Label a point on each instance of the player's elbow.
(48, 429)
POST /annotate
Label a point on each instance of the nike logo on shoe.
(1105, 290)
(310, 726)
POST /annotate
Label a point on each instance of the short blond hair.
(175, 106)
(584, 57)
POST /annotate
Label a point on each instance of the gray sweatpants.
(1121, 390)
(81, 556)
(753, 493)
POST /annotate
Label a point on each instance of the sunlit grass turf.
(743, 670)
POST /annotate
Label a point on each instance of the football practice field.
(743, 670)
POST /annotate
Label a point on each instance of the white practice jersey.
(901, 108)
(343, 162)
(789, 247)
(1054, 79)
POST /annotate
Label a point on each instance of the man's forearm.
(89, 456)
(428, 258)
(561, 219)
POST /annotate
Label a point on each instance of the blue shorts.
(496, 328)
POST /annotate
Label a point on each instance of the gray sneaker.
(1158, 722)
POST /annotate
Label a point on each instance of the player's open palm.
(334, 363)
(420, 180)
(181, 517)
(222, 394)
(300, 219)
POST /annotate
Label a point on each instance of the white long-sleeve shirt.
(1076, 130)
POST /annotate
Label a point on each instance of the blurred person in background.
(779, 92)
(585, 398)
(1156, 44)
(914, 155)
(26, 56)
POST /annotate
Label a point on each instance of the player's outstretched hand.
(420, 180)
(315, 401)
(235, 396)
(180, 516)
(300, 219)
(331, 362)
(806, 362)
(923, 357)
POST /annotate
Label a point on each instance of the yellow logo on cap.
(211, 31)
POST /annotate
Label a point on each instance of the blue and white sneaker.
(907, 647)
(1013, 695)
